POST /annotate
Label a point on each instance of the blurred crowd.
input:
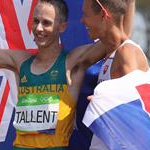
(141, 26)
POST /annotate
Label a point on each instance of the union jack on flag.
(15, 24)
(8, 98)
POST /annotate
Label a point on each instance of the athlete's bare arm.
(11, 59)
(93, 54)
(86, 55)
(128, 17)
(73, 60)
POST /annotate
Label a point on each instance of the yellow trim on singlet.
(63, 130)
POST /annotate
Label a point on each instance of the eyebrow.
(103, 9)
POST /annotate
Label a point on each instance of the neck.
(47, 53)
(114, 38)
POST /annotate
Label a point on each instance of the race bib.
(37, 113)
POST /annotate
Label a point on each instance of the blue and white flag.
(119, 114)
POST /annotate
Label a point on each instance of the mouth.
(40, 37)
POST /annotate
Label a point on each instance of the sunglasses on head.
(103, 9)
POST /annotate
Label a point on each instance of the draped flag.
(8, 98)
(119, 114)
(15, 33)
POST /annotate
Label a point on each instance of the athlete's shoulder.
(129, 50)
(130, 57)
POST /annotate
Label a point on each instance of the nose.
(39, 27)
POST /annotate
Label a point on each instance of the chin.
(40, 44)
(92, 37)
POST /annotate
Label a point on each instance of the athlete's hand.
(90, 98)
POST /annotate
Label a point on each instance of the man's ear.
(63, 26)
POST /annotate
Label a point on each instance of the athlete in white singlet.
(104, 21)
(105, 74)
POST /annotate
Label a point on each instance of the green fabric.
(58, 148)
(55, 75)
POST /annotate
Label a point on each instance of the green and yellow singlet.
(45, 110)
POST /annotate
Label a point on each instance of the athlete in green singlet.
(46, 99)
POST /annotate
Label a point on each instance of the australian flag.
(119, 114)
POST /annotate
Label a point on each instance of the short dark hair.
(62, 7)
(116, 7)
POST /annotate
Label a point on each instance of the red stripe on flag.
(4, 100)
(145, 95)
(11, 25)
(30, 16)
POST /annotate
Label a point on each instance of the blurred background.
(141, 26)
